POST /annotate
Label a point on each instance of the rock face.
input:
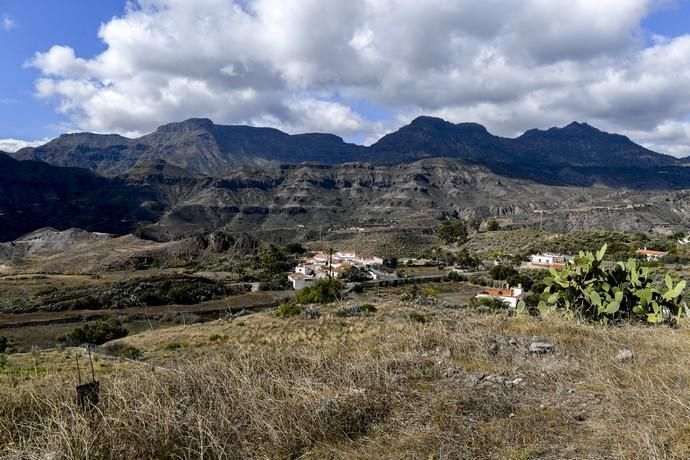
(167, 202)
(577, 154)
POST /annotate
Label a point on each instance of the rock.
(493, 348)
(624, 354)
(446, 354)
(517, 381)
(540, 347)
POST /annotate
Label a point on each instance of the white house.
(511, 296)
(300, 280)
(548, 260)
(305, 270)
(348, 256)
(371, 261)
(650, 255)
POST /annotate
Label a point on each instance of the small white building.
(511, 296)
(305, 270)
(372, 261)
(548, 260)
(650, 255)
(300, 280)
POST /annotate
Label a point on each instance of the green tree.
(476, 224)
(492, 225)
(452, 231)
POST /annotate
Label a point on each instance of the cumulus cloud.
(299, 65)
(12, 145)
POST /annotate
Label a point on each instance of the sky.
(356, 68)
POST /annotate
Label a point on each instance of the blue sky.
(38, 25)
(305, 89)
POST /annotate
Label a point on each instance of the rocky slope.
(167, 202)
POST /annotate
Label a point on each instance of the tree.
(452, 231)
(476, 223)
(330, 252)
(492, 225)
(294, 248)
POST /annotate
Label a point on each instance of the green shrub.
(323, 291)
(355, 310)
(218, 337)
(488, 304)
(176, 345)
(129, 352)
(502, 272)
(430, 292)
(368, 308)
(3, 344)
(493, 225)
(96, 333)
(452, 231)
(418, 318)
(288, 310)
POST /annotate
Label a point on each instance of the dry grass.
(371, 387)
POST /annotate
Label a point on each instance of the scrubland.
(407, 381)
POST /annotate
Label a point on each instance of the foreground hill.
(409, 381)
(202, 147)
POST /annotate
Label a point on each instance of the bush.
(355, 310)
(323, 291)
(418, 318)
(502, 272)
(130, 352)
(176, 345)
(288, 310)
(3, 344)
(591, 292)
(96, 333)
(486, 304)
(493, 225)
(294, 248)
(453, 276)
(312, 313)
(452, 231)
(218, 337)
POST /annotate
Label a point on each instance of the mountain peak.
(191, 124)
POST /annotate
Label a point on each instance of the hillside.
(457, 384)
(168, 202)
(35, 194)
(577, 154)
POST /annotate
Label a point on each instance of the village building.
(300, 280)
(548, 260)
(650, 255)
(511, 296)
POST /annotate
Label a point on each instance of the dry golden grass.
(372, 387)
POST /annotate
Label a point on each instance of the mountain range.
(202, 147)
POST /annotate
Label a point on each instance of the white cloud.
(12, 145)
(297, 64)
(8, 23)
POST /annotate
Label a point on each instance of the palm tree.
(330, 252)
